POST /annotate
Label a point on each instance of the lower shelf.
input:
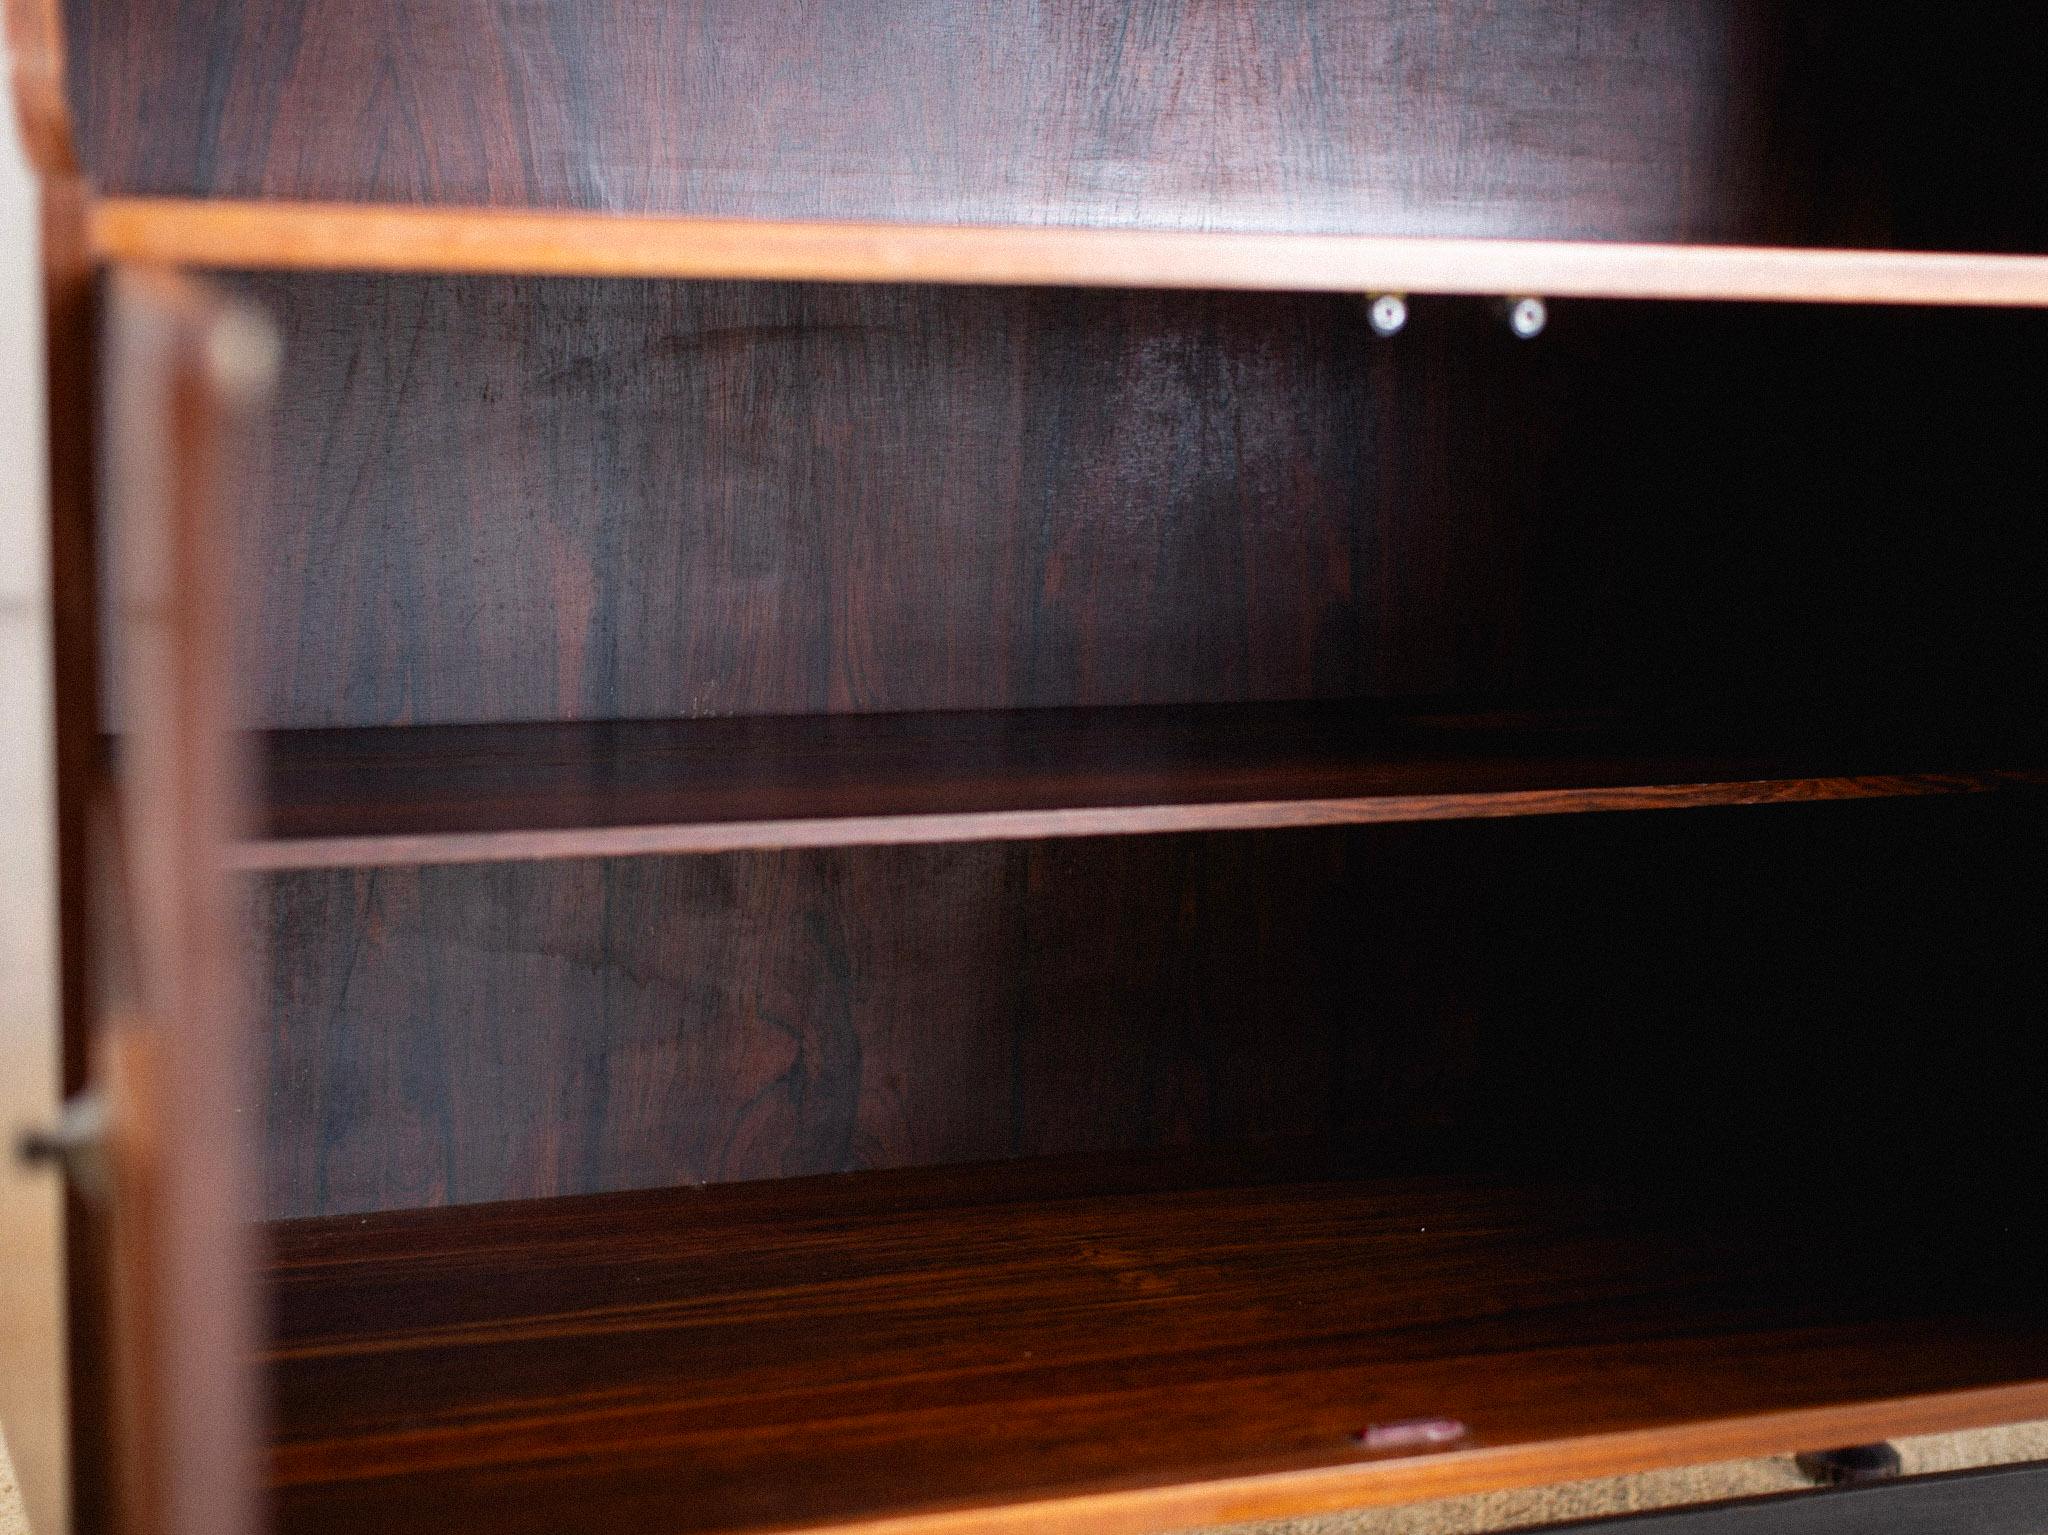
(465, 793)
(1068, 1346)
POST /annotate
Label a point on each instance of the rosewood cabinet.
(1095, 766)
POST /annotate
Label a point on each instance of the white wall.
(32, 1402)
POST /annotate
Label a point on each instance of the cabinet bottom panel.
(1112, 1343)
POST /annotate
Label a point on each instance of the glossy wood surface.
(501, 501)
(185, 371)
(470, 793)
(789, 1355)
(1704, 121)
(342, 237)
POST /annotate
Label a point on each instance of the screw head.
(1527, 317)
(1388, 312)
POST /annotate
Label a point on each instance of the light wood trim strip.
(1397, 1480)
(385, 850)
(362, 237)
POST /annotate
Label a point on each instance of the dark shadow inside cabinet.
(1796, 997)
(513, 501)
(1546, 1124)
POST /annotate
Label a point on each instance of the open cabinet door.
(185, 373)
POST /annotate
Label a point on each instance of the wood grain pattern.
(1702, 121)
(1298, 116)
(1597, 988)
(677, 499)
(336, 237)
(450, 1035)
(497, 500)
(823, 1352)
(465, 794)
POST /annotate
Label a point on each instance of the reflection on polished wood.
(1087, 1344)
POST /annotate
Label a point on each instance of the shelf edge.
(1394, 1480)
(254, 235)
(273, 854)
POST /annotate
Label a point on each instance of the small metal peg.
(1527, 316)
(1387, 313)
(76, 1143)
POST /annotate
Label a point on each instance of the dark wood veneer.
(1672, 990)
(782, 1355)
(460, 794)
(1624, 1140)
(1216, 116)
(1705, 120)
(496, 500)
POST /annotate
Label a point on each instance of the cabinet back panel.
(506, 500)
(459, 1034)
(497, 500)
(1733, 120)
(1723, 997)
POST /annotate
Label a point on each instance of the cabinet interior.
(878, 899)
(1664, 1089)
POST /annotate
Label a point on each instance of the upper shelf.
(344, 237)
(1823, 151)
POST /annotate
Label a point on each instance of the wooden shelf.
(448, 794)
(195, 232)
(1076, 1345)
